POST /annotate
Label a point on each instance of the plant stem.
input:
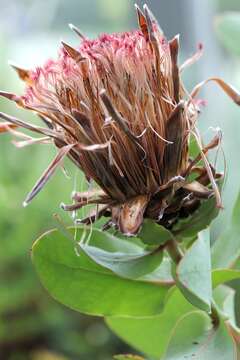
(214, 316)
(174, 251)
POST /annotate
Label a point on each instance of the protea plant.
(116, 106)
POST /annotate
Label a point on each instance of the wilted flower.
(117, 108)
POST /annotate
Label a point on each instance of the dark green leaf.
(151, 335)
(193, 273)
(79, 283)
(228, 31)
(201, 218)
(226, 249)
(154, 234)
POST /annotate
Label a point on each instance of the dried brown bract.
(116, 106)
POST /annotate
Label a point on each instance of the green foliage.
(197, 341)
(193, 273)
(151, 335)
(201, 218)
(221, 276)
(163, 274)
(112, 277)
(153, 234)
(97, 273)
(131, 266)
(226, 249)
(80, 283)
(181, 331)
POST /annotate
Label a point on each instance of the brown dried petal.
(131, 215)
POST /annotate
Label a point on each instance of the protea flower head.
(116, 106)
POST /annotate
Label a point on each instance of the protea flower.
(117, 108)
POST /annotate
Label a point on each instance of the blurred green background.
(32, 325)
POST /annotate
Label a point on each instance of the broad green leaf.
(201, 218)
(79, 283)
(193, 273)
(125, 258)
(221, 276)
(226, 249)
(225, 302)
(193, 338)
(151, 335)
(154, 234)
(128, 357)
(131, 266)
(224, 299)
(228, 31)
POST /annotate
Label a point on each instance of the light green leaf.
(151, 335)
(193, 273)
(228, 308)
(226, 249)
(162, 274)
(193, 338)
(79, 283)
(154, 234)
(221, 276)
(124, 257)
(228, 31)
(224, 299)
(131, 266)
(106, 241)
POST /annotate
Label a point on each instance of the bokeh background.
(32, 325)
